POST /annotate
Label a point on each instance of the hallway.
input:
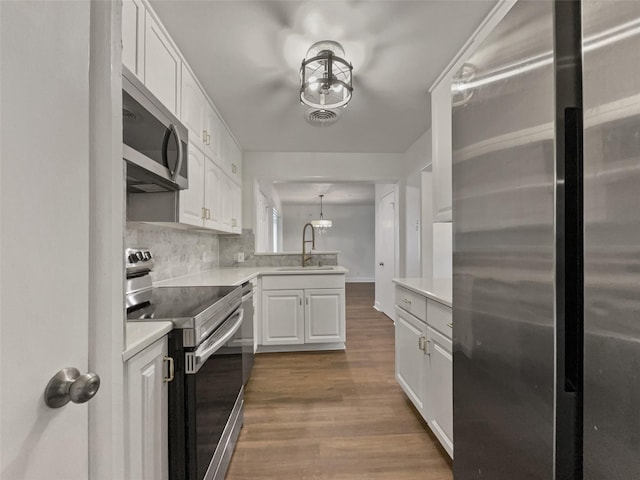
(336, 415)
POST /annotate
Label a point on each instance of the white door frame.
(106, 243)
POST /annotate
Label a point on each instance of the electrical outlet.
(240, 257)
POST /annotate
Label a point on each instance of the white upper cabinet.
(192, 106)
(212, 127)
(133, 13)
(212, 179)
(192, 199)
(162, 65)
(226, 203)
(236, 209)
(214, 197)
(230, 156)
(441, 150)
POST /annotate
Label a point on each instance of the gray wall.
(352, 234)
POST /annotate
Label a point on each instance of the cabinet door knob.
(204, 136)
(421, 343)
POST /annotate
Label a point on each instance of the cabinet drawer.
(288, 282)
(440, 317)
(412, 302)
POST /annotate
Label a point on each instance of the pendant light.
(322, 224)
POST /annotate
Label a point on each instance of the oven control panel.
(138, 260)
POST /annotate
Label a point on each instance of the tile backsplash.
(177, 252)
(231, 245)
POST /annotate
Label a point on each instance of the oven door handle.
(210, 347)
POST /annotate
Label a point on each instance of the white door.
(385, 250)
(44, 246)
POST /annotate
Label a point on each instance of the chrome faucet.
(306, 257)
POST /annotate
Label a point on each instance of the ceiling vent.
(321, 117)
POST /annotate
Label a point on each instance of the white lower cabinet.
(424, 360)
(438, 388)
(294, 317)
(411, 335)
(297, 316)
(147, 411)
(282, 317)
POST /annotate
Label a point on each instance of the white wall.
(352, 234)
(415, 210)
(427, 224)
(412, 226)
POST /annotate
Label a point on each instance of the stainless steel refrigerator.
(546, 265)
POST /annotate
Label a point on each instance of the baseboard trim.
(307, 347)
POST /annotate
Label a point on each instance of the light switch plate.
(240, 257)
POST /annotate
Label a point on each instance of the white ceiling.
(353, 193)
(247, 55)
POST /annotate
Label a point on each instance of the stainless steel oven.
(206, 403)
(206, 395)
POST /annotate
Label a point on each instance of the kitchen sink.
(311, 267)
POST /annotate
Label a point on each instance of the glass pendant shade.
(325, 76)
(322, 224)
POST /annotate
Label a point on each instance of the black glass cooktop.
(170, 303)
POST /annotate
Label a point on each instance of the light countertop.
(238, 275)
(142, 334)
(438, 289)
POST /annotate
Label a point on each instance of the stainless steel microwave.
(154, 141)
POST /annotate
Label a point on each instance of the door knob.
(68, 385)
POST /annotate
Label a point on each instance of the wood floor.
(336, 415)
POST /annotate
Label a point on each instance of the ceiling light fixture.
(322, 224)
(325, 76)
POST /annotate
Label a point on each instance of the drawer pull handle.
(450, 325)
(406, 300)
(171, 370)
(421, 343)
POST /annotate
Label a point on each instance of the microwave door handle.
(203, 353)
(174, 173)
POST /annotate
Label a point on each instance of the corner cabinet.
(424, 361)
(313, 316)
(146, 394)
